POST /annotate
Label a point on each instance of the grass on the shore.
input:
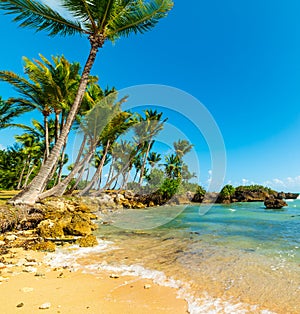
(6, 195)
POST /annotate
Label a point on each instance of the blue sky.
(241, 59)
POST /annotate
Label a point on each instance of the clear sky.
(241, 59)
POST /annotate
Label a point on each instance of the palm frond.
(137, 17)
(37, 15)
(82, 10)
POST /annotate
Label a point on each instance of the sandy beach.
(28, 285)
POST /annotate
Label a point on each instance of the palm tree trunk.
(60, 188)
(56, 132)
(28, 175)
(31, 193)
(21, 176)
(97, 173)
(46, 126)
(61, 164)
(144, 164)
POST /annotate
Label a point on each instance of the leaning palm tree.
(100, 21)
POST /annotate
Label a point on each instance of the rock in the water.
(274, 203)
(79, 225)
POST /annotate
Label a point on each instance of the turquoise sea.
(236, 258)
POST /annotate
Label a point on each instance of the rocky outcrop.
(273, 202)
(249, 196)
(288, 196)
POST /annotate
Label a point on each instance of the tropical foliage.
(99, 21)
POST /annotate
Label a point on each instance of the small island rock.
(274, 203)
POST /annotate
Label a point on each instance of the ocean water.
(237, 258)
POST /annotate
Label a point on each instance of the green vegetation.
(255, 188)
(99, 21)
(227, 191)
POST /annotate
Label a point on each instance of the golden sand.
(28, 284)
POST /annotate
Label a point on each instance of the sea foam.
(203, 305)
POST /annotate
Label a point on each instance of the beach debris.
(2, 243)
(20, 304)
(114, 276)
(30, 269)
(26, 289)
(45, 306)
(147, 286)
(39, 274)
(11, 237)
(30, 264)
(2, 279)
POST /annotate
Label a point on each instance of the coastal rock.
(87, 241)
(79, 225)
(50, 229)
(179, 200)
(272, 202)
(250, 196)
(46, 246)
(291, 196)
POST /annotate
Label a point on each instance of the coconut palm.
(50, 88)
(100, 21)
(182, 147)
(173, 166)
(32, 149)
(147, 128)
(153, 159)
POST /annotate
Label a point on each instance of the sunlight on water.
(238, 258)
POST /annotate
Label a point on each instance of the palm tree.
(100, 21)
(147, 128)
(173, 166)
(32, 148)
(182, 147)
(153, 159)
(50, 88)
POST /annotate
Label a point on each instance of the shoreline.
(28, 283)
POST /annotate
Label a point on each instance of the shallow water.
(237, 258)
